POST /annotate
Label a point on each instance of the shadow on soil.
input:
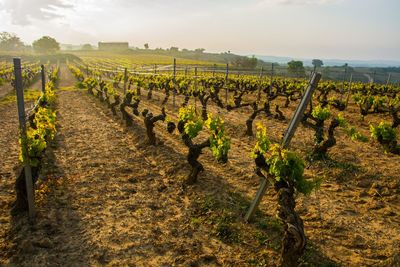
(217, 208)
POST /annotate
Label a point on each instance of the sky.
(340, 29)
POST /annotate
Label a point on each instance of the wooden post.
(350, 81)
(22, 125)
(226, 83)
(125, 79)
(195, 87)
(186, 71)
(42, 72)
(259, 86)
(388, 79)
(215, 66)
(87, 70)
(174, 91)
(373, 77)
(155, 68)
(298, 115)
(272, 78)
(344, 80)
(349, 89)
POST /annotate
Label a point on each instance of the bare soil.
(107, 198)
(9, 153)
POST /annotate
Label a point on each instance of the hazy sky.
(344, 29)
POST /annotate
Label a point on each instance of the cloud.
(298, 2)
(23, 11)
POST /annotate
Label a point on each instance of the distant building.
(113, 46)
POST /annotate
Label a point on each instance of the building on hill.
(113, 46)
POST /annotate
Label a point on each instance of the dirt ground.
(8, 158)
(107, 198)
(5, 89)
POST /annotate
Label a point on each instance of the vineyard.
(159, 165)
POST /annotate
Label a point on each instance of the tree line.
(11, 42)
(47, 44)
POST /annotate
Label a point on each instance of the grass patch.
(211, 212)
(262, 259)
(29, 95)
(345, 166)
(313, 256)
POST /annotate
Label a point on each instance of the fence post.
(259, 86)
(42, 72)
(22, 125)
(215, 66)
(155, 68)
(226, 83)
(298, 115)
(272, 78)
(174, 91)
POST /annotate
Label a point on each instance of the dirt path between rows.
(9, 153)
(5, 89)
(107, 203)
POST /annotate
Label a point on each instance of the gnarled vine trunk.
(194, 153)
(21, 201)
(322, 147)
(294, 239)
(149, 122)
(117, 101)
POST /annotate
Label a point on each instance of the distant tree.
(46, 44)
(174, 49)
(317, 63)
(87, 47)
(146, 46)
(199, 50)
(296, 67)
(10, 42)
(245, 62)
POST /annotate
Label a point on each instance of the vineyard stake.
(294, 122)
(215, 66)
(195, 88)
(226, 83)
(174, 91)
(155, 68)
(22, 125)
(349, 89)
(125, 79)
(351, 81)
(343, 82)
(373, 77)
(388, 79)
(42, 72)
(259, 86)
(272, 78)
